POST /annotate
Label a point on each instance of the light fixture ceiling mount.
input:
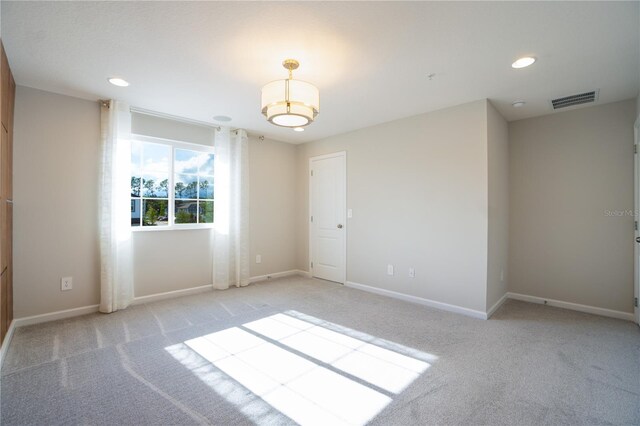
(290, 103)
(291, 64)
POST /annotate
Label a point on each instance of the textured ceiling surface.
(370, 60)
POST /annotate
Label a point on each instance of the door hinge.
(312, 220)
(635, 302)
(635, 224)
(312, 264)
(312, 170)
(635, 148)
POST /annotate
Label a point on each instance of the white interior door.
(327, 207)
(636, 289)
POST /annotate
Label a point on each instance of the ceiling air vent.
(582, 98)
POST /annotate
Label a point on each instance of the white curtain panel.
(116, 251)
(230, 236)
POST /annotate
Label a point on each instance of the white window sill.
(170, 228)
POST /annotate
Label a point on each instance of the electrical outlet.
(412, 272)
(349, 213)
(66, 283)
(258, 258)
(389, 269)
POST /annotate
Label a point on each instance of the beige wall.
(418, 190)
(150, 125)
(272, 205)
(567, 170)
(498, 166)
(427, 192)
(56, 231)
(171, 260)
(56, 157)
(161, 256)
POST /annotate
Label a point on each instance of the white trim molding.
(208, 287)
(419, 300)
(52, 316)
(572, 306)
(345, 222)
(497, 305)
(6, 342)
(289, 273)
(171, 294)
(84, 310)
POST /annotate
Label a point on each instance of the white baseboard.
(52, 316)
(196, 290)
(572, 306)
(276, 275)
(171, 294)
(6, 342)
(497, 305)
(68, 313)
(419, 300)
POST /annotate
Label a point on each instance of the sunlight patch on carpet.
(308, 369)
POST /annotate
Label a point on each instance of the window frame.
(173, 145)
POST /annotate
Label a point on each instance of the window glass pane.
(186, 161)
(135, 212)
(135, 156)
(156, 157)
(186, 211)
(206, 211)
(154, 185)
(186, 186)
(206, 165)
(136, 181)
(155, 212)
(205, 187)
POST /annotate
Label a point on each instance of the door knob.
(340, 227)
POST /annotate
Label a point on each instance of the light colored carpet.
(397, 363)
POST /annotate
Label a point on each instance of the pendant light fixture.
(290, 103)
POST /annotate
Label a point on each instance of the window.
(171, 184)
(193, 177)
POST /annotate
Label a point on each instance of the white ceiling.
(370, 60)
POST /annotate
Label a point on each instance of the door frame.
(636, 197)
(342, 154)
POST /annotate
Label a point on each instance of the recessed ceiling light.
(118, 82)
(523, 62)
(222, 118)
(518, 104)
(298, 129)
